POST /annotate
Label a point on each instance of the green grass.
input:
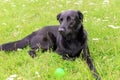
(19, 18)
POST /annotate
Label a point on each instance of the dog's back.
(45, 38)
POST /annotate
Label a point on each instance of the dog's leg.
(32, 53)
(20, 44)
(86, 56)
(11, 46)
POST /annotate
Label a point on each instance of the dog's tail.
(20, 44)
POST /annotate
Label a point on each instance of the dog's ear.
(58, 16)
(80, 15)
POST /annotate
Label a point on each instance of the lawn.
(19, 18)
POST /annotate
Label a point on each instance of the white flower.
(37, 73)
(60, 5)
(76, 3)
(91, 3)
(105, 20)
(114, 27)
(12, 77)
(19, 49)
(84, 12)
(4, 24)
(23, 5)
(18, 26)
(68, 2)
(6, 0)
(15, 34)
(95, 39)
(106, 2)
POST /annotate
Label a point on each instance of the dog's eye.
(61, 19)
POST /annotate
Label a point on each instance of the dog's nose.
(61, 30)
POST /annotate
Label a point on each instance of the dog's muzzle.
(61, 30)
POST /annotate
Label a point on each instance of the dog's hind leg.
(32, 53)
(35, 44)
(86, 56)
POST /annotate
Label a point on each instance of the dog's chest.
(74, 46)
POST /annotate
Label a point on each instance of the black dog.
(72, 38)
(68, 39)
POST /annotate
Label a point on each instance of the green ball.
(59, 72)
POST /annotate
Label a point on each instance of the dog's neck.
(77, 35)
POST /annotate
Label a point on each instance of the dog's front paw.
(32, 53)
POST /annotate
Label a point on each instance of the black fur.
(43, 39)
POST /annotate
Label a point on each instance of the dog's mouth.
(67, 34)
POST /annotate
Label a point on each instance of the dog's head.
(70, 22)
